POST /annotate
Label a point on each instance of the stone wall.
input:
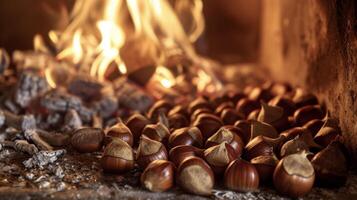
(313, 43)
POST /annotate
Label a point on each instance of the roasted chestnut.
(186, 136)
(265, 166)
(158, 176)
(241, 176)
(314, 126)
(228, 135)
(246, 106)
(198, 112)
(161, 106)
(223, 106)
(177, 121)
(195, 176)
(121, 131)
(330, 165)
(118, 156)
(253, 115)
(307, 113)
(150, 150)
(229, 116)
(179, 109)
(285, 103)
(158, 132)
(198, 103)
(264, 129)
(87, 140)
(208, 124)
(326, 135)
(262, 145)
(302, 98)
(294, 175)
(258, 93)
(182, 152)
(136, 123)
(219, 156)
(245, 127)
(274, 116)
(293, 146)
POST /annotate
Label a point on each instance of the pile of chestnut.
(265, 135)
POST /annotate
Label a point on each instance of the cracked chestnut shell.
(208, 124)
(177, 121)
(219, 156)
(136, 123)
(265, 166)
(195, 176)
(161, 106)
(121, 131)
(229, 116)
(245, 127)
(150, 150)
(158, 132)
(273, 115)
(241, 176)
(228, 135)
(246, 106)
(158, 176)
(118, 156)
(294, 175)
(182, 152)
(262, 145)
(87, 140)
(186, 136)
(285, 103)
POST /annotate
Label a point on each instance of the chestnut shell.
(241, 176)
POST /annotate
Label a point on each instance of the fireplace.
(160, 99)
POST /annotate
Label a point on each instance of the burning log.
(86, 87)
(20, 146)
(32, 135)
(23, 122)
(56, 139)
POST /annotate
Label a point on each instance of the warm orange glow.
(164, 77)
(75, 50)
(49, 79)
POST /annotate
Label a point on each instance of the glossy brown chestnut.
(87, 140)
(253, 115)
(304, 134)
(314, 126)
(158, 132)
(259, 93)
(195, 176)
(294, 175)
(229, 116)
(186, 136)
(177, 121)
(208, 124)
(199, 103)
(158, 176)
(219, 156)
(307, 113)
(179, 109)
(228, 135)
(246, 106)
(223, 106)
(161, 106)
(293, 146)
(241, 176)
(182, 152)
(245, 127)
(302, 98)
(221, 99)
(330, 165)
(326, 135)
(118, 156)
(262, 145)
(273, 115)
(150, 150)
(121, 131)
(285, 103)
(136, 123)
(261, 128)
(265, 166)
(198, 112)
(236, 96)
(280, 89)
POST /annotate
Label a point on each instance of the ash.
(43, 158)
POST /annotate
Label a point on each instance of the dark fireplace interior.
(173, 99)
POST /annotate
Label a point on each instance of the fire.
(99, 29)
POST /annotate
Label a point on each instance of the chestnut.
(241, 176)
(262, 145)
(258, 93)
(314, 126)
(293, 146)
(273, 115)
(150, 150)
(245, 127)
(264, 129)
(87, 140)
(307, 113)
(182, 152)
(121, 131)
(304, 134)
(246, 106)
(279, 89)
(294, 175)
(198, 112)
(326, 135)
(223, 106)
(228, 135)
(331, 165)
(302, 98)
(179, 109)
(195, 176)
(158, 132)
(177, 121)
(285, 103)
(265, 166)
(161, 106)
(136, 123)
(186, 136)
(198, 103)
(229, 116)
(236, 96)
(253, 115)
(118, 156)
(219, 156)
(158, 176)
(208, 124)
(221, 99)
